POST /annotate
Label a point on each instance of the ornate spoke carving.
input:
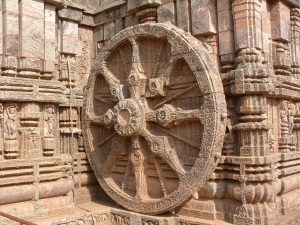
(105, 120)
(137, 160)
(116, 89)
(168, 115)
(134, 78)
(160, 146)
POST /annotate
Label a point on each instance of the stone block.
(32, 32)
(133, 6)
(226, 42)
(166, 12)
(98, 34)
(108, 30)
(33, 8)
(1, 27)
(204, 17)
(11, 27)
(71, 14)
(69, 37)
(119, 25)
(131, 21)
(50, 32)
(280, 21)
(248, 24)
(266, 27)
(183, 17)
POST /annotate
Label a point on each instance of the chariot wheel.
(154, 112)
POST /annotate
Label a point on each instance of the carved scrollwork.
(154, 127)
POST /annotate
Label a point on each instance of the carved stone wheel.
(154, 117)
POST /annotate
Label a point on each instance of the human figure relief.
(291, 115)
(284, 114)
(1, 115)
(11, 122)
(49, 121)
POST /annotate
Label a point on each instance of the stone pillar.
(253, 81)
(68, 121)
(183, 14)
(50, 41)
(10, 37)
(295, 42)
(280, 24)
(226, 35)
(1, 130)
(146, 10)
(32, 38)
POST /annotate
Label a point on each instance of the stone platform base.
(105, 213)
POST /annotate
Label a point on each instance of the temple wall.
(47, 50)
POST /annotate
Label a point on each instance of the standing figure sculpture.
(49, 142)
(49, 122)
(11, 144)
(11, 122)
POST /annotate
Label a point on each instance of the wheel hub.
(128, 117)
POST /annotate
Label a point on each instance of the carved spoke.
(168, 115)
(137, 160)
(174, 96)
(134, 78)
(159, 145)
(104, 100)
(116, 89)
(105, 120)
(160, 176)
(117, 149)
(178, 137)
(107, 139)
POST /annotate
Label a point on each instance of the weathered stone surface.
(69, 37)
(71, 14)
(166, 12)
(204, 16)
(32, 32)
(280, 21)
(135, 5)
(183, 17)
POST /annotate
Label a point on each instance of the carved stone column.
(30, 130)
(295, 42)
(281, 34)
(1, 130)
(68, 130)
(253, 81)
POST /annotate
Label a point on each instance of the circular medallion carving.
(128, 117)
(153, 123)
